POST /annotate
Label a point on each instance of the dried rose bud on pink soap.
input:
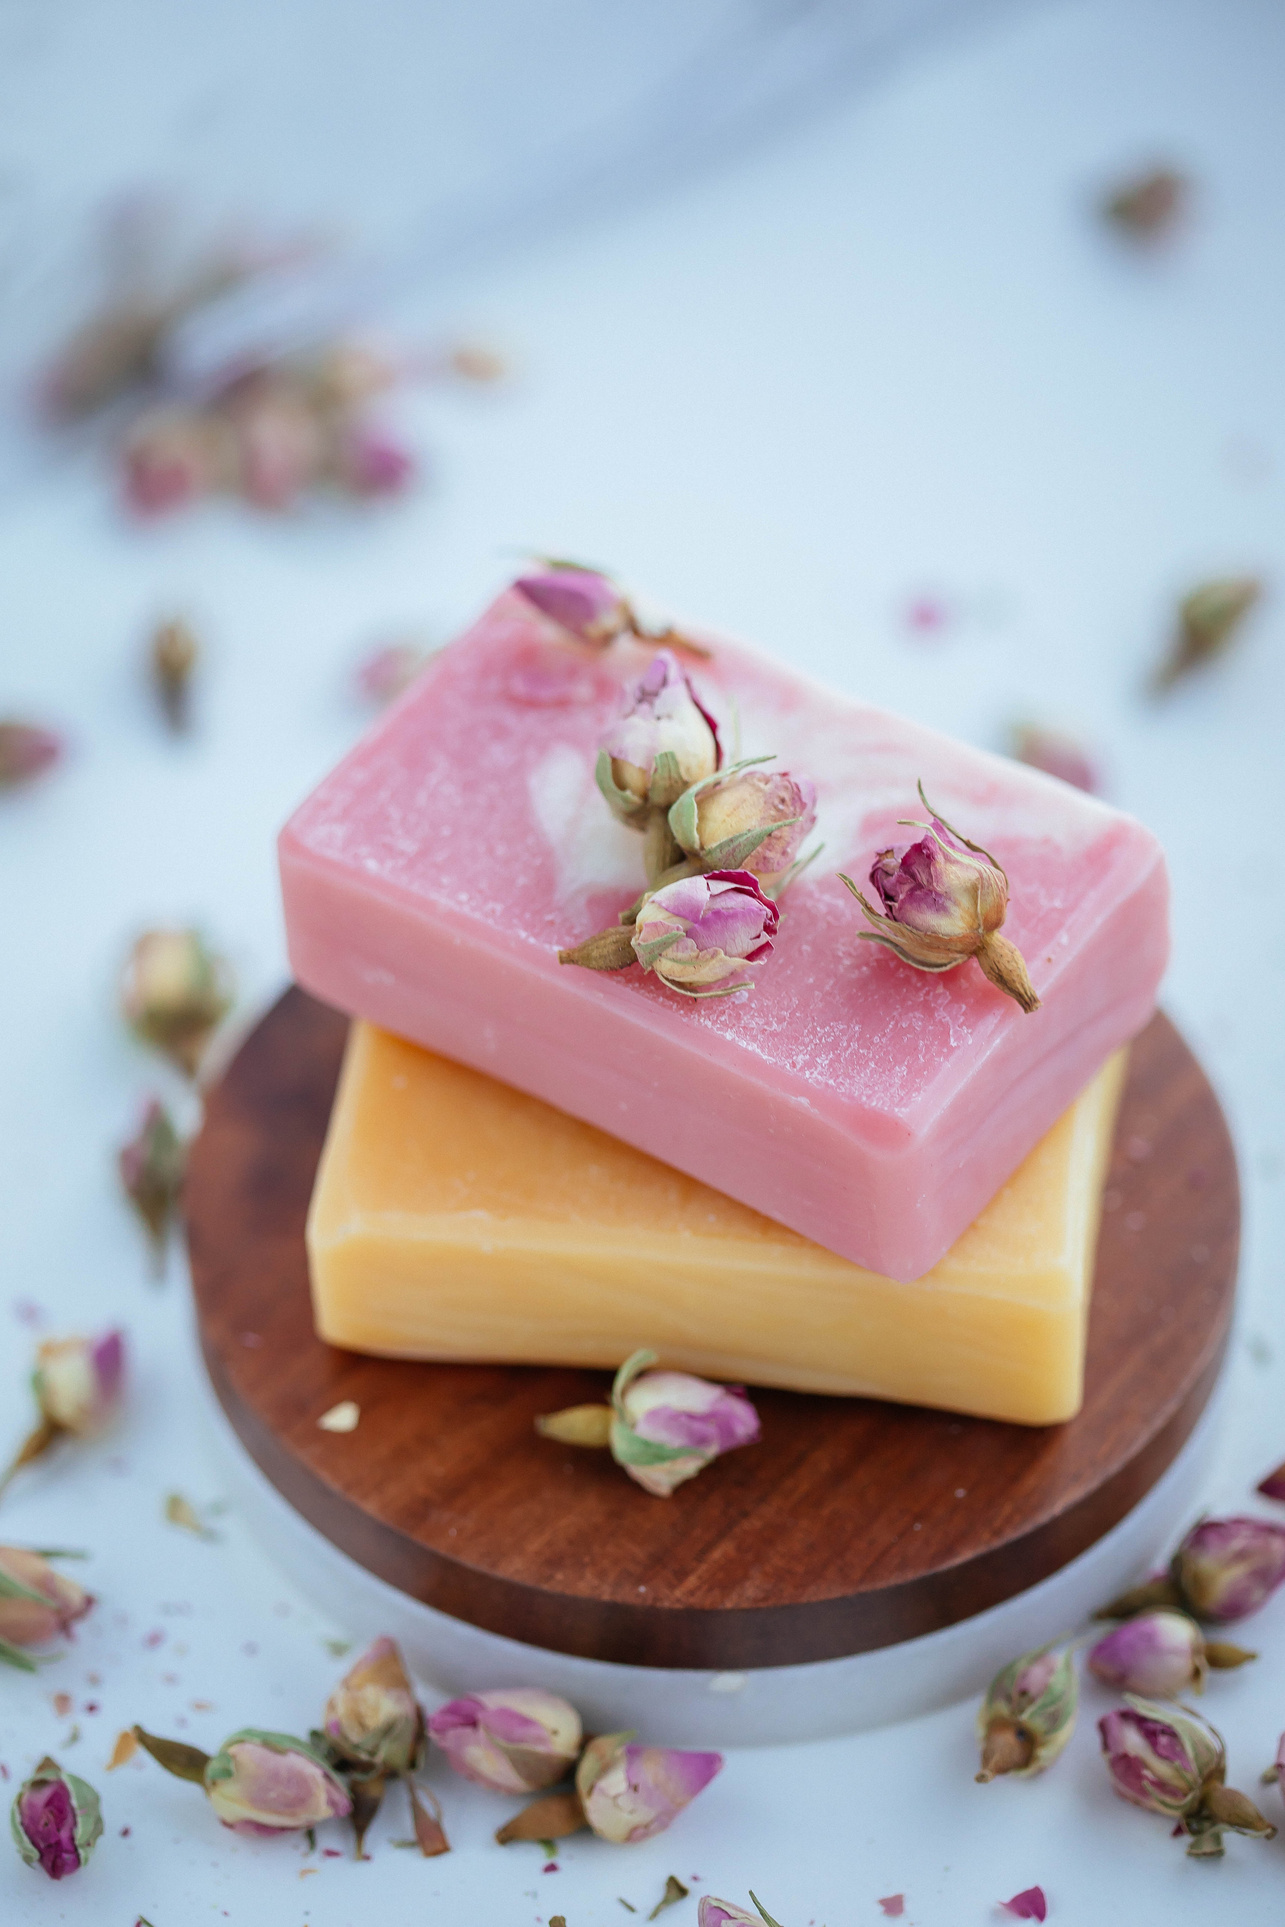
(433, 877)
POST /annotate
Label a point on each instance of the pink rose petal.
(894, 1906)
(1030, 1904)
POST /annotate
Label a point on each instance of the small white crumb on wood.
(343, 1417)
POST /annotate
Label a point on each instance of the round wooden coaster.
(852, 1526)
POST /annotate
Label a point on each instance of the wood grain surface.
(852, 1525)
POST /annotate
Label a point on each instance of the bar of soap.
(454, 1218)
(431, 878)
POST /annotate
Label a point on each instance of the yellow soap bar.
(454, 1218)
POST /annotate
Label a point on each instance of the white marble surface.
(889, 356)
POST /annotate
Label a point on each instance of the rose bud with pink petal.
(668, 1426)
(175, 456)
(1028, 1714)
(582, 601)
(514, 1740)
(665, 741)
(746, 819)
(699, 935)
(721, 1913)
(269, 1783)
(631, 1793)
(26, 750)
(1172, 1762)
(945, 899)
(79, 1382)
(37, 1604)
(1161, 1654)
(373, 1717)
(56, 1820)
(1227, 1568)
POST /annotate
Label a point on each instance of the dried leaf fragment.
(1148, 205)
(124, 1750)
(344, 1417)
(152, 1168)
(1209, 619)
(553, 1817)
(588, 1425)
(181, 1512)
(172, 657)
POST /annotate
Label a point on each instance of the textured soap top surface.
(475, 802)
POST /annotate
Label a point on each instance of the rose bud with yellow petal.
(514, 1740)
(174, 992)
(1172, 1762)
(668, 1426)
(665, 741)
(79, 1382)
(746, 819)
(37, 1604)
(56, 1820)
(700, 934)
(269, 1783)
(944, 900)
(373, 1717)
(1161, 1654)
(631, 1793)
(1028, 1714)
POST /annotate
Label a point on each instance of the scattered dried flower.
(1148, 205)
(26, 751)
(1209, 620)
(389, 670)
(152, 1168)
(514, 1740)
(1056, 754)
(174, 993)
(1030, 1904)
(722, 1913)
(701, 934)
(1172, 1762)
(373, 1718)
(1028, 1714)
(668, 1426)
(1161, 1654)
(258, 1782)
(181, 1512)
(590, 606)
(78, 1383)
(631, 1793)
(173, 655)
(344, 1417)
(1273, 1486)
(746, 819)
(893, 1906)
(1224, 1570)
(37, 1604)
(56, 1820)
(124, 1750)
(945, 899)
(674, 1892)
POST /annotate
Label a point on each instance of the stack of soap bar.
(454, 1218)
(876, 1110)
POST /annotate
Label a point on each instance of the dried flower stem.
(33, 1447)
(553, 1817)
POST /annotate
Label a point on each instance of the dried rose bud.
(268, 1783)
(945, 900)
(668, 1426)
(152, 1168)
(1028, 1714)
(746, 819)
(56, 1820)
(1055, 754)
(1227, 1568)
(174, 654)
(174, 456)
(174, 992)
(1208, 621)
(582, 601)
(79, 1382)
(721, 1913)
(1161, 1654)
(631, 1793)
(26, 750)
(389, 670)
(701, 934)
(37, 1604)
(514, 1740)
(280, 441)
(1172, 1762)
(373, 1718)
(665, 741)
(1148, 205)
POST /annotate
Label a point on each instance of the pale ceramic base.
(770, 1706)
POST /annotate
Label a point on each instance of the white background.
(888, 356)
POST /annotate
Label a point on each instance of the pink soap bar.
(431, 878)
